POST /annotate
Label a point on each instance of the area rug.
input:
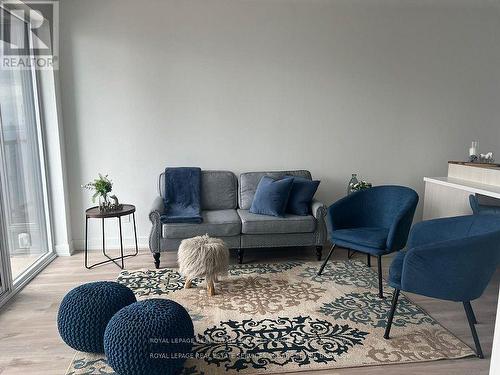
(283, 317)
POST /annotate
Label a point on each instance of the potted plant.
(101, 186)
(361, 185)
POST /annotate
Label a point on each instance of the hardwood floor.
(30, 344)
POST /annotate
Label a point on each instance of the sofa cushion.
(215, 223)
(250, 180)
(271, 196)
(366, 236)
(219, 190)
(301, 196)
(263, 224)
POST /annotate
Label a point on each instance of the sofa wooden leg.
(241, 252)
(156, 257)
(319, 252)
(210, 287)
(187, 284)
(368, 260)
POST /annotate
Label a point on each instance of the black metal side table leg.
(121, 239)
(103, 239)
(86, 245)
(135, 236)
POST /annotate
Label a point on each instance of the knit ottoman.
(203, 256)
(86, 310)
(150, 337)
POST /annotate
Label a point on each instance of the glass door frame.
(5, 274)
(10, 287)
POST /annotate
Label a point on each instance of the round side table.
(95, 213)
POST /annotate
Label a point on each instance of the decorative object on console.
(486, 158)
(203, 256)
(151, 337)
(86, 310)
(102, 186)
(301, 196)
(374, 221)
(476, 157)
(473, 152)
(271, 196)
(452, 258)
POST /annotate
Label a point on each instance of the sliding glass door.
(24, 219)
(21, 172)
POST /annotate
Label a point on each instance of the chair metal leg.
(471, 312)
(470, 317)
(395, 297)
(368, 260)
(326, 260)
(380, 288)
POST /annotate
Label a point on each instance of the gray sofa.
(225, 204)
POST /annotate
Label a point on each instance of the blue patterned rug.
(283, 317)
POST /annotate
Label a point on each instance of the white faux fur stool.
(203, 256)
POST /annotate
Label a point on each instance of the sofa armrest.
(157, 209)
(318, 210)
(157, 206)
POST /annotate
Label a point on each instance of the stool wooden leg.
(210, 287)
(187, 284)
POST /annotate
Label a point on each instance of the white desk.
(449, 196)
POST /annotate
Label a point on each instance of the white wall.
(389, 89)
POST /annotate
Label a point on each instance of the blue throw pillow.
(271, 196)
(301, 196)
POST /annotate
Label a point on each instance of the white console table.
(449, 196)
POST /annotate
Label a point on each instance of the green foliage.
(101, 186)
(361, 185)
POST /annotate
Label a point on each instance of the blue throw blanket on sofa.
(182, 195)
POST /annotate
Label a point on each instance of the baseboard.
(112, 243)
(64, 249)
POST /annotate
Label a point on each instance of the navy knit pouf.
(86, 310)
(151, 337)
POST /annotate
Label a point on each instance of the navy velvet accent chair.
(374, 221)
(452, 259)
(478, 208)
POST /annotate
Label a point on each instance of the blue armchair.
(479, 208)
(374, 221)
(451, 259)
